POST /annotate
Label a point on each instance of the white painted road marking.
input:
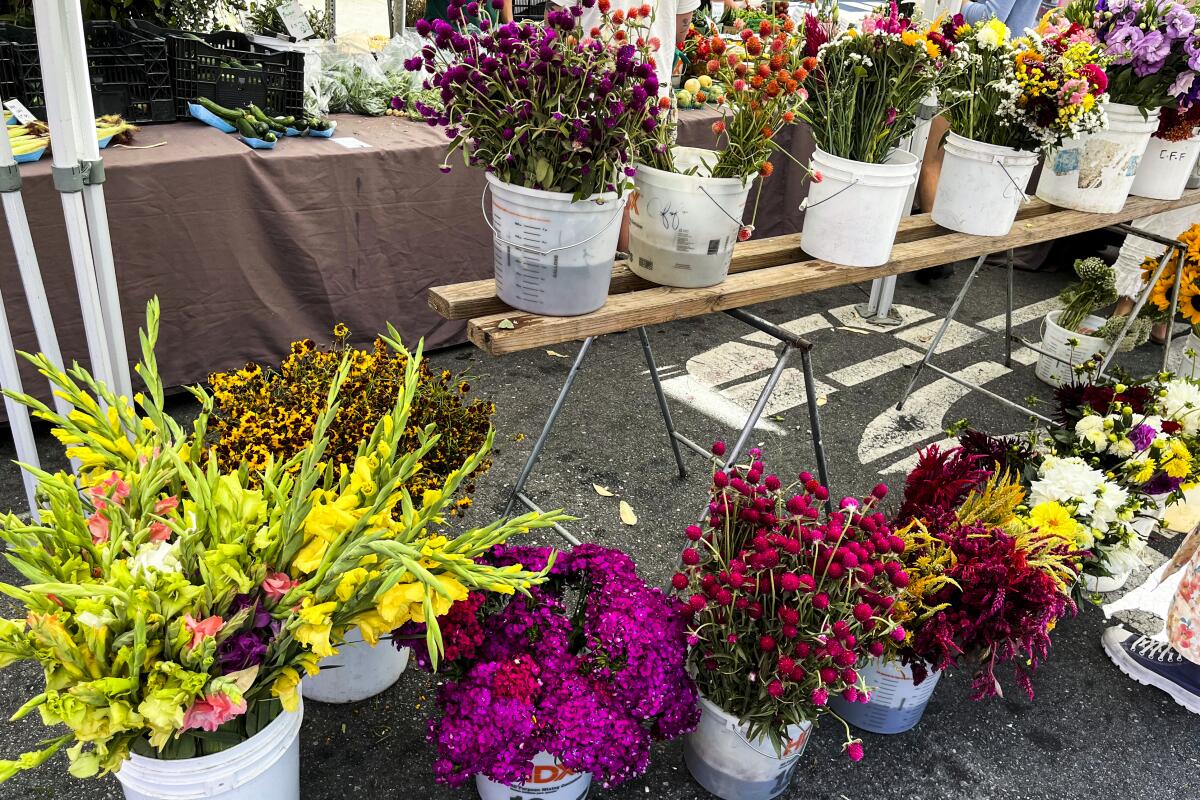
(957, 335)
(875, 367)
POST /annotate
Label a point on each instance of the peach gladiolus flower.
(202, 628)
(212, 712)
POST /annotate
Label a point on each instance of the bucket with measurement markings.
(682, 227)
(1063, 349)
(733, 766)
(553, 255)
(854, 210)
(550, 781)
(981, 187)
(896, 704)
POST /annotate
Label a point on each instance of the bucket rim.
(599, 198)
(888, 175)
(739, 183)
(1052, 318)
(285, 719)
(973, 148)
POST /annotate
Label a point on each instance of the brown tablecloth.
(248, 250)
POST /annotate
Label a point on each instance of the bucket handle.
(721, 208)
(534, 250)
(733, 726)
(805, 205)
(998, 160)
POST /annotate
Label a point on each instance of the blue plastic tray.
(290, 131)
(258, 144)
(34, 156)
(324, 134)
(208, 118)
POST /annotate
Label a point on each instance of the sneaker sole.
(1147, 678)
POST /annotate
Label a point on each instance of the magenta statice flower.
(589, 667)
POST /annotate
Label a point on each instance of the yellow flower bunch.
(1189, 286)
(167, 596)
(262, 413)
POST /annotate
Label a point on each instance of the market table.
(249, 250)
(762, 270)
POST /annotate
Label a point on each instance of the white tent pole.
(18, 415)
(31, 275)
(88, 151)
(59, 115)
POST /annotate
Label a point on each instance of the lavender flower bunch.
(589, 667)
(1154, 46)
(544, 106)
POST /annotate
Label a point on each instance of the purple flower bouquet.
(589, 667)
(544, 106)
(1153, 45)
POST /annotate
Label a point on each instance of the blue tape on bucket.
(208, 118)
(103, 143)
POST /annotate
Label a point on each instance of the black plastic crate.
(232, 71)
(129, 71)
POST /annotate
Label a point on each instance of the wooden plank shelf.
(761, 271)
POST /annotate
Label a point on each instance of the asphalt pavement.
(1091, 733)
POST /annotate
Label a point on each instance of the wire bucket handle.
(534, 250)
(998, 160)
(735, 727)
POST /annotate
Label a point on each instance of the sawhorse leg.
(937, 339)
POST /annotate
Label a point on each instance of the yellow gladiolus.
(349, 583)
(372, 626)
(315, 624)
(286, 688)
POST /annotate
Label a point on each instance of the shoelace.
(1156, 650)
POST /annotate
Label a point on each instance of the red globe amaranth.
(787, 596)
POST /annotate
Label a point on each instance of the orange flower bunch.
(762, 78)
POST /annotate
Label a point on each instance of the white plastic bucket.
(981, 187)
(552, 255)
(1184, 365)
(682, 228)
(896, 704)
(357, 672)
(1056, 369)
(1165, 167)
(550, 781)
(852, 215)
(264, 767)
(1105, 583)
(732, 767)
(1094, 171)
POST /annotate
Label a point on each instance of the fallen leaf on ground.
(822, 400)
(627, 515)
(602, 490)
(556, 355)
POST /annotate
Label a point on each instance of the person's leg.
(927, 181)
(931, 164)
(1172, 666)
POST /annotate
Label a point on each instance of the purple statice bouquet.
(544, 105)
(1154, 47)
(589, 667)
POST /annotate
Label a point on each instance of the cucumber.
(228, 114)
(261, 116)
(318, 124)
(246, 129)
(285, 121)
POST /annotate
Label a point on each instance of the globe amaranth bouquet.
(988, 580)
(261, 413)
(864, 92)
(1153, 44)
(545, 106)
(787, 602)
(1029, 92)
(589, 667)
(173, 607)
